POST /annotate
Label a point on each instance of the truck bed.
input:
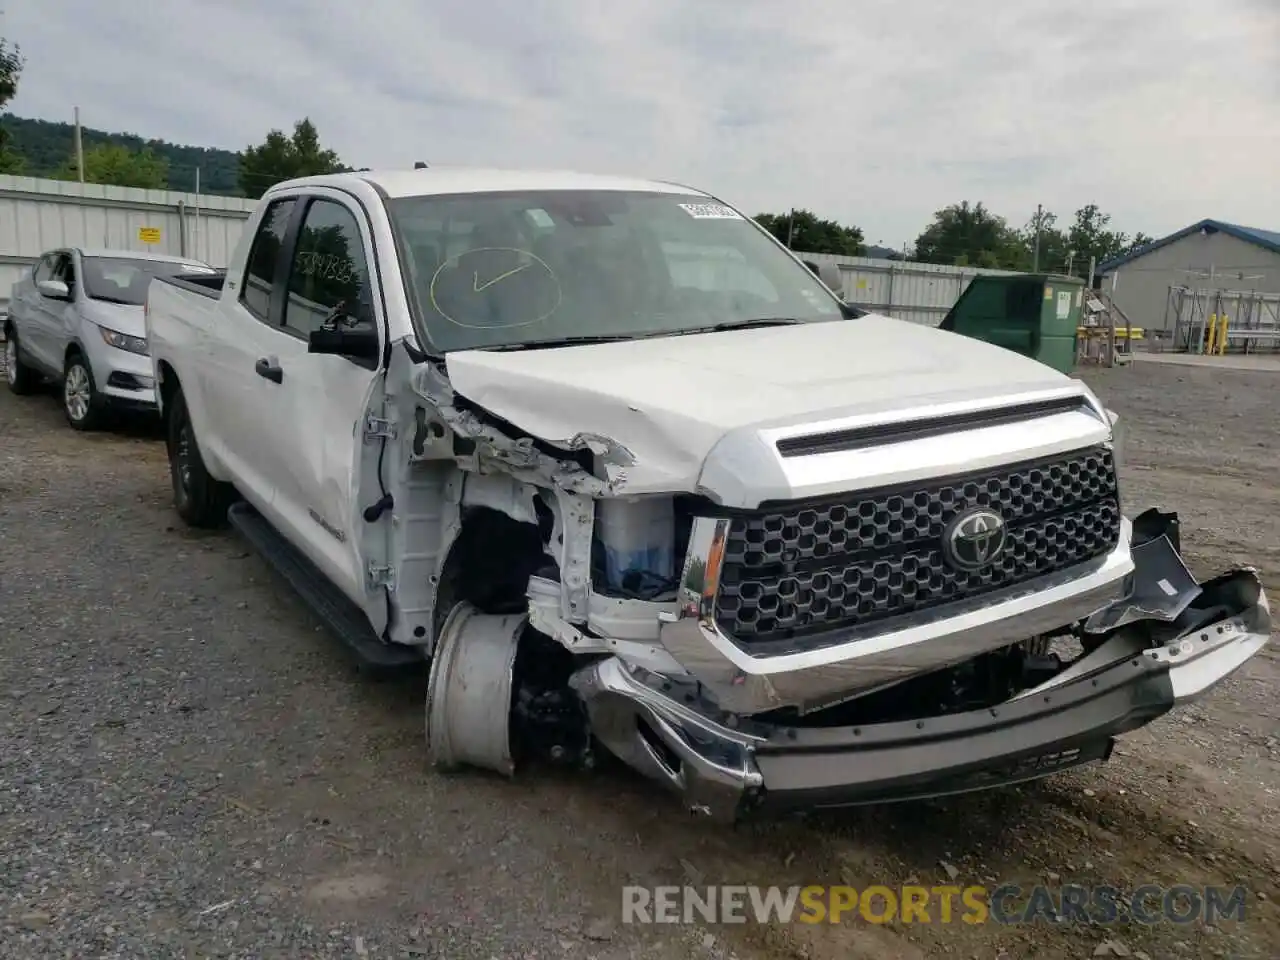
(203, 284)
(181, 311)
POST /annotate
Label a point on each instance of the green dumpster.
(1036, 315)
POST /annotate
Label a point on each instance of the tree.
(971, 235)
(1139, 239)
(965, 234)
(44, 146)
(1089, 236)
(11, 64)
(119, 166)
(280, 158)
(1053, 251)
(811, 234)
(1069, 251)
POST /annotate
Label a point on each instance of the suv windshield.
(125, 279)
(524, 268)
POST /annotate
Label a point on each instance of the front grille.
(839, 563)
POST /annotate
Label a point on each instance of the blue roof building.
(1171, 278)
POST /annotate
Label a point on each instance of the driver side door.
(323, 397)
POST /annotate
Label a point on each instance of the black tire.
(82, 405)
(20, 378)
(201, 501)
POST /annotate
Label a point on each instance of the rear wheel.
(20, 378)
(81, 402)
(200, 500)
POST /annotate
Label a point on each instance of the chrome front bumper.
(725, 766)
(742, 683)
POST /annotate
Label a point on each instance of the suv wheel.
(20, 378)
(80, 400)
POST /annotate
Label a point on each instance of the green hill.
(46, 146)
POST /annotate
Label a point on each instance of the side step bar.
(343, 618)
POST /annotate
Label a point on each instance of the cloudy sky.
(869, 111)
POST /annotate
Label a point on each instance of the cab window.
(329, 277)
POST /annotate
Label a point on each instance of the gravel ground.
(190, 768)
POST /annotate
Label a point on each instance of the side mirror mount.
(54, 289)
(357, 343)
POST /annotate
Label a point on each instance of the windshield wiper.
(566, 341)
(644, 335)
(751, 324)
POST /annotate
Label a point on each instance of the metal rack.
(1105, 336)
(1217, 321)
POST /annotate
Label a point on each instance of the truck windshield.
(517, 269)
(125, 279)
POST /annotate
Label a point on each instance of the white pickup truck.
(626, 474)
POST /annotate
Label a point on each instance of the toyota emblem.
(974, 539)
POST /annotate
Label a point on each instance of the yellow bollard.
(1211, 329)
(1222, 334)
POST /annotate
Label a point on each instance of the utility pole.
(196, 245)
(79, 148)
(1035, 260)
(791, 227)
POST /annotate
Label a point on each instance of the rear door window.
(260, 276)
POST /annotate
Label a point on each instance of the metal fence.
(40, 215)
(919, 292)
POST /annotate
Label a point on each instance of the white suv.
(78, 317)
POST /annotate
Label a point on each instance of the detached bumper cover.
(729, 767)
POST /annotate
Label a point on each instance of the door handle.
(269, 369)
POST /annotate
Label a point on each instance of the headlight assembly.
(122, 341)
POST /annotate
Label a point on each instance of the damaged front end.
(566, 583)
(1006, 716)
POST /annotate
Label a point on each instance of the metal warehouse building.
(1174, 285)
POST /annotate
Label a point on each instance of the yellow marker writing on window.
(477, 286)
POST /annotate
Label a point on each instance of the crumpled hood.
(669, 400)
(120, 317)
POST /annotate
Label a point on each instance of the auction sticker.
(710, 211)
